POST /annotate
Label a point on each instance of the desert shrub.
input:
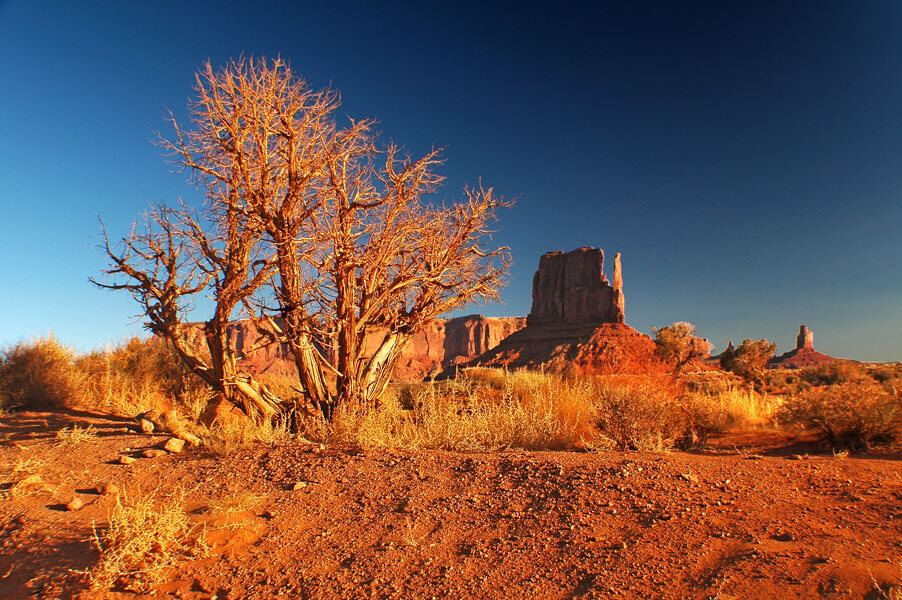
(831, 373)
(484, 377)
(748, 360)
(887, 374)
(853, 415)
(136, 376)
(143, 539)
(522, 410)
(711, 382)
(637, 417)
(737, 407)
(39, 374)
(678, 345)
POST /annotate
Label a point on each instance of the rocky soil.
(755, 516)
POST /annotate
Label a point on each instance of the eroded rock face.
(571, 288)
(442, 344)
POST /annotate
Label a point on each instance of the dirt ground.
(755, 516)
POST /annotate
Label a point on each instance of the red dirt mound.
(603, 349)
(800, 358)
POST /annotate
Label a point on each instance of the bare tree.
(172, 259)
(339, 229)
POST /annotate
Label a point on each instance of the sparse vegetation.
(76, 435)
(227, 436)
(143, 538)
(133, 377)
(39, 374)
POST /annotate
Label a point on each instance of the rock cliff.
(571, 288)
(442, 344)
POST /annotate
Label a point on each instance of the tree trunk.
(379, 369)
(310, 373)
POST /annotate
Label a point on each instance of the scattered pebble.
(174, 445)
(126, 460)
(75, 504)
(299, 485)
(153, 453)
(146, 425)
(108, 488)
(192, 439)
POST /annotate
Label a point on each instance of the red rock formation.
(576, 323)
(571, 288)
(804, 354)
(805, 338)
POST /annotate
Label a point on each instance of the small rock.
(153, 453)
(75, 504)
(108, 488)
(126, 460)
(174, 445)
(192, 439)
(299, 485)
(30, 480)
(690, 477)
(146, 425)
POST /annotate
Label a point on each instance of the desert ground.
(750, 515)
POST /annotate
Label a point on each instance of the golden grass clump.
(226, 436)
(75, 435)
(40, 374)
(133, 377)
(529, 411)
(144, 537)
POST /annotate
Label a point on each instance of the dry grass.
(528, 411)
(227, 436)
(38, 374)
(75, 436)
(142, 540)
(133, 377)
(235, 503)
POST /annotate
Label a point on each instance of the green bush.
(748, 360)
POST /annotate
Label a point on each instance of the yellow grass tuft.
(142, 540)
(75, 436)
(226, 436)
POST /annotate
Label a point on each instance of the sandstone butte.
(576, 323)
(803, 355)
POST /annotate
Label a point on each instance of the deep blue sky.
(746, 158)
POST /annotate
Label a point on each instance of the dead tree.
(171, 259)
(312, 223)
(384, 261)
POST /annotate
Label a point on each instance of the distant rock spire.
(805, 338)
(619, 301)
